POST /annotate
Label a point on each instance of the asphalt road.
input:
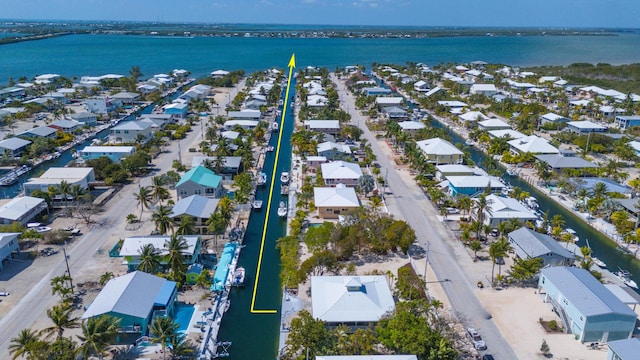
(403, 203)
(34, 305)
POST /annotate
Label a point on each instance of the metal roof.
(339, 196)
(196, 206)
(534, 244)
(14, 143)
(565, 162)
(201, 176)
(626, 349)
(17, 207)
(367, 357)
(341, 170)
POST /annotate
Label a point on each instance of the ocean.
(79, 55)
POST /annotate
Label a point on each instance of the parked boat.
(599, 262)
(284, 177)
(282, 209)
(512, 171)
(625, 276)
(13, 176)
(573, 234)
(238, 277)
(269, 148)
(274, 126)
(257, 204)
(532, 203)
(469, 142)
(262, 179)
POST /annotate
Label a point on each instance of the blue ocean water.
(78, 55)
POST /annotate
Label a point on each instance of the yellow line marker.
(292, 64)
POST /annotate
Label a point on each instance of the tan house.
(439, 151)
(335, 201)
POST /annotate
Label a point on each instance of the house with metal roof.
(197, 207)
(245, 124)
(341, 172)
(506, 134)
(473, 116)
(532, 144)
(355, 301)
(132, 246)
(372, 91)
(552, 118)
(386, 101)
(625, 349)
(585, 127)
(39, 132)
(439, 151)
(8, 245)
(335, 201)
(334, 151)
(200, 181)
(558, 162)
(317, 101)
(67, 126)
(130, 132)
(325, 126)
(14, 146)
(590, 182)
(474, 185)
(255, 115)
(368, 357)
(500, 209)
(529, 244)
(135, 299)
(81, 176)
(624, 122)
(176, 109)
(483, 89)
(394, 112)
(446, 170)
(22, 209)
(411, 127)
(85, 118)
(114, 153)
(493, 124)
(230, 167)
(585, 306)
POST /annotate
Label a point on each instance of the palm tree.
(22, 345)
(498, 250)
(599, 190)
(180, 346)
(480, 207)
(149, 259)
(64, 189)
(186, 225)
(97, 334)
(143, 198)
(176, 246)
(464, 203)
(162, 330)
(162, 219)
(158, 191)
(475, 246)
(104, 278)
(61, 317)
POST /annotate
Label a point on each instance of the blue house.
(178, 110)
(586, 307)
(136, 299)
(114, 153)
(625, 122)
(473, 185)
(627, 349)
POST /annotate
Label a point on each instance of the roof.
(330, 145)
(57, 174)
(202, 176)
(553, 117)
(65, 124)
(254, 114)
(510, 133)
(5, 238)
(626, 349)
(126, 95)
(339, 196)
(589, 182)
(473, 116)
(350, 298)
(367, 357)
(233, 162)
(475, 182)
(494, 123)
(43, 131)
(533, 144)
(322, 124)
(14, 143)
(626, 294)
(132, 245)
(586, 125)
(584, 292)
(132, 125)
(341, 170)
(249, 123)
(565, 162)
(133, 294)
(411, 125)
(454, 168)
(389, 100)
(109, 149)
(196, 206)
(452, 103)
(483, 87)
(534, 244)
(437, 146)
(17, 207)
(629, 204)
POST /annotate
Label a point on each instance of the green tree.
(176, 246)
(162, 220)
(158, 191)
(162, 330)
(475, 246)
(497, 251)
(104, 278)
(61, 316)
(366, 183)
(143, 198)
(186, 225)
(307, 336)
(97, 333)
(23, 344)
(525, 269)
(149, 259)
(181, 347)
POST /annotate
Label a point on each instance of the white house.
(439, 151)
(552, 118)
(22, 209)
(501, 209)
(585, 127)
(341, 172)
(131, 132)
(493, 124)
(325, 126)
(14, 147)
(532, 144)
(387, 101)
(55, 175)
(473, 116)
(335, 201)
(8, 245)
(483, 89)
(114, 153)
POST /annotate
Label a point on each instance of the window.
(198, 191)
(183, 192)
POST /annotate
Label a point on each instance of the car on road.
(476, 339)
(488, 357)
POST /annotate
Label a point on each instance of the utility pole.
(66, 260)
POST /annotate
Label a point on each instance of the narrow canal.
(255, 335)
(603, 248)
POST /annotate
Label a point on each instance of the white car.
(476, 339)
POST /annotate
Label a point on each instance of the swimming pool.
(182, 315)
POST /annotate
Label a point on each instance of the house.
(114, 153)
(446, 170)
(341, 172)
(85, 118)
(14, 147)
(585, 127)
(254, 115)
(421, 86)
(586, 307)
(219, 74)
(135, 299)
(625, 122)
(558, 162)
(439, 151)
(200, 181)
(473, 116)
(333, 151)
(506, 134)
(177, 109)
(609, 111)
(130, 132)
(487, 90)
(102, 105)
(22, 209)
(551, 118)
(411, 127)
(395, 112)
(372, 91)
(331, 127)
(8, 245)
(66, 126)
(493, 124)
(255, 104)
(55, 175)
(132, 246)
(229, 168)
(500, 209)
(529, 244)
(368, 357)
(589, 183)
(532, 144)
(335, 201)
(635, 145)
(317, 101)
(146, 89)
(39, 132)
(387, 101)
(625, 349)
(314, 161)
(245, 124)
(474, 185)
(127, 98)
(198, 208)
(355, 301)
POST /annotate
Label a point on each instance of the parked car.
(488, 357)
(72, 231)
(476, 339)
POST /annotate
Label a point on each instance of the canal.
(603, 248)
(255, 335)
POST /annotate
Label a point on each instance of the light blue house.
(627, 349)
(114, 153)
(8, 245)
(178, 110)
(473, 185)
(586, 307)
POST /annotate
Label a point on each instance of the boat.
(575, 237)
(512, 171)
(469, 142)
(257, 204)
(532, 203)
(13, 176)
(238, 277)
(599, 262)
(625, 276)
(284, 177)
(262, 179)
(274, 126)
(282, 209)
(270, 148)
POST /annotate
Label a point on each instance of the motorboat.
(282, 209)
(625, 276)
(262, 179)
(274, 126)
(469, 142)
(257, 204)
(238, 276)
(284, 177)
(575, 237)
(599, 263)
(512, 171)
(532, 202)
(270, 148)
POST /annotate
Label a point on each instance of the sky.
(498, 13)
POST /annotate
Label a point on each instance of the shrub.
(553, 325)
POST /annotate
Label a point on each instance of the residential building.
(66, 126)
(132, 246)
(493, 124)
(333, 151)
(483, 89)
(500, 209)
(55, 175)
(551, 118)
(135, 299)
(22, 209)
(372, 91)
(317, 101)
(421, 86)
(355, 301)
(314, 161)
(625, 122)
(8, 245)
(200, 181)
(558, 162)
(341, 172)
(127, 98)
(177, 109)
(506, 134)
(245, 124)
(411, 127)
(39, 132)
(198, 208)
(130, 132)
(332, 202)
(439, 151)
(446, 170)
(85, 118)
(529, 244)
(331, 127)
(589, 183)
(368, 357)
(586, 307)
(229, 168)
(14, 146)
(102, 105)
(254, 115)
(473, 116)
(473, 185)
(395, 112)
(625, 349)
(585, 127)
(532, 144)
(386, 101)
(114, 153)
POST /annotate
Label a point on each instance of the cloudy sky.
(511, 13)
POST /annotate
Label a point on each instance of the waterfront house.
(114, 153)
(331, 127)
(66, 126)
(585, 127)
(532, 144)
(500, 209)
(372, 91)
(421, 86)
(506, 134)
(341, 172)
(411, 127)
(586, 307)
(219, 74)
(146, 89)
(558, 162)
(333, 151)
(199, 91)
(85, 118)
(39, 132)
(55, 175)
(394, 112)
(609, 111)
(589, 183)
(8, 245)
(131, 247)
(473, 116)
(625, 349)
(368, 357)
(317, 101)
(314, 161)
(529, 244)
(130, 132)
(229, 168)
(487, 90)
(355, 301)
(625, 122)
(493, 124)
(125, 97)
(14, 146)
(332, 202)
(245, 124)
(102, 105)
(387, 101)
(198, 208)
(446, 170)
(474, 185)
(253, 115)
(439, 151)
(177, 109)
(22, 209)
(200, 181)
(255, 104)
(135, 299)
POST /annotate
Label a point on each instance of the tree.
(23, 344)
(366, 183)
(497, 250)
(480, 207)
(180, 346)
(242, 183)
(176, 246)
(104, 278)
(143, 198)
(307, 335)
(158, 191)
(97, 334)
(475, 246)
(149, 259)
(186, 225)
(544, 348)
(61, 317)
(525, 269)
(162, 220)
(61, 285)
(163, 329)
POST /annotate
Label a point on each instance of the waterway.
(255, 335)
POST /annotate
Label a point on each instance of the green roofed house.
(200, 181)
(136, 299)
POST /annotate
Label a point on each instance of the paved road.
(34, 305)
(403, 203)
